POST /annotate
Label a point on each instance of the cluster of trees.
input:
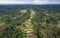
(45, 23)
(12, 20)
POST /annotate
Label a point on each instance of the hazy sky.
(29, 1)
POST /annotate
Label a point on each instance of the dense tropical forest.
(29, 21)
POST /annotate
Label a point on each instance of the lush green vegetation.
(17, 22)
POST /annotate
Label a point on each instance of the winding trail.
(29, 26)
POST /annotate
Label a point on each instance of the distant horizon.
(39, 2)
(29, 4)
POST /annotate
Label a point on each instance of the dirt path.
(29, 26)
(32, 14)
